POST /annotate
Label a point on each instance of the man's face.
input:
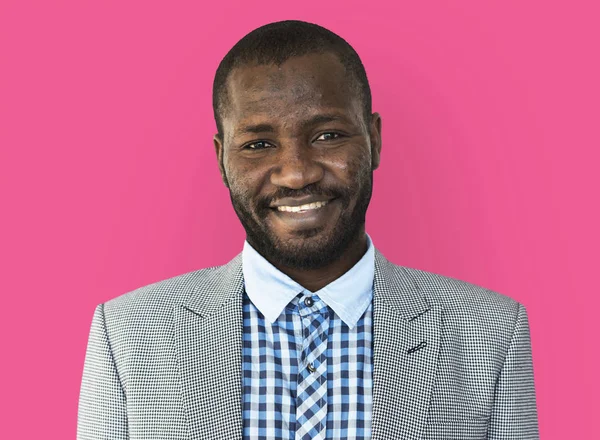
(298, 157)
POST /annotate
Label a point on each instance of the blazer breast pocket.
(467, 429)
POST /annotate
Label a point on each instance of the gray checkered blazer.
(451, 360)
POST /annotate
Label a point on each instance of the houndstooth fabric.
(451, 360)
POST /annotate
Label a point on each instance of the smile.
(302, 208)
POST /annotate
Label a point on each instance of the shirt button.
(311, 368)
(308, 301)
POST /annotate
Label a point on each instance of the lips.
(313, 215)
(302, 208)
(300, 201)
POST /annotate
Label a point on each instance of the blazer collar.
(223, 283)
(208, 341)
(396, 289)
(406, 339)
(208, 331)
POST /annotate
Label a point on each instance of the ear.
(375, 136)
(218, 142)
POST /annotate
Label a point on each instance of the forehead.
(300, 87)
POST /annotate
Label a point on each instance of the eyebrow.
(268, 128)
(253, 129)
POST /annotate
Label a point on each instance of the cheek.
(243, 181)
(351, 168)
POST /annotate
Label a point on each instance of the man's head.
(295, 131)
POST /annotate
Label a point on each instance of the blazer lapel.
(208, 341)
(406, 338)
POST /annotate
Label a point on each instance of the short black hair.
(274, 43)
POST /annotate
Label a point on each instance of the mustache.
(309, 190)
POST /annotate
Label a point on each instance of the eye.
(258, 145)
(329, 136)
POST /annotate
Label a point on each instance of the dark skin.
(293, 135)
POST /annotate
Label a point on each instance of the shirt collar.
(270, 290)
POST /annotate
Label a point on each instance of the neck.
(316, 279)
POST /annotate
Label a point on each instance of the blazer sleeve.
(102, 404)
(514, 412)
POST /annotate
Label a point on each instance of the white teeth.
(313, 205)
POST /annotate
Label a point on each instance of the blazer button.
(308, 301)
(311, 368)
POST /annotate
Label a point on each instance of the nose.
(296, 167)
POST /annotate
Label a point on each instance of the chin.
(307, 249)
(301, 234)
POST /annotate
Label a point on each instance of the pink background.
(109, 182)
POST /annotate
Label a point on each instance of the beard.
(311, 249)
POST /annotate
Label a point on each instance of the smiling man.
(310, 332)
(297, 146)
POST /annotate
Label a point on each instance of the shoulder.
(469, 312)
(154, 302)
(455, 295)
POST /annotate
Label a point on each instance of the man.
(309, 333)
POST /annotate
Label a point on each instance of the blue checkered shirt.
(275, 349)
